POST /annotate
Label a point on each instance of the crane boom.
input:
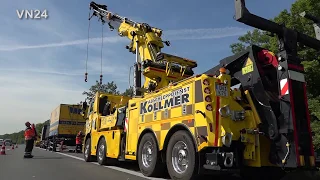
(159, 68)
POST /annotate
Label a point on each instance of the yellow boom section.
(158, 68)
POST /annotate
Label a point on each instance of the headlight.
(225, 111)
(227, 139)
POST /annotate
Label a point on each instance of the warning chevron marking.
(284, 87)
(249, 62)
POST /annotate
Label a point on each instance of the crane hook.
(86, 77)
(101, 79)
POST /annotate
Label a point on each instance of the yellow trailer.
(65, 122)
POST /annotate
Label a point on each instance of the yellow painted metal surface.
(203, 105)
(66, 119)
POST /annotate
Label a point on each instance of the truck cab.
(105, 115)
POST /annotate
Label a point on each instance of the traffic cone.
(3, 150)
(12, 146)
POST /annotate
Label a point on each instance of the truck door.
(92, 114)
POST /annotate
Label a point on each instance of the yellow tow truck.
(190, 124)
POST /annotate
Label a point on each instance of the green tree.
(310, 58)
(256, 37)
(17, 137)
(109, 87)
(128, 92)
(39, 127)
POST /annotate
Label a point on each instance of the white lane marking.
(74, 157)
(110, 167)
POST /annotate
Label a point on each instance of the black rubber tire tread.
(192, 171)
(157, 168)
(89, 159)
(104, 159)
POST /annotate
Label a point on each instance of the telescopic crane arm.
(159, 68)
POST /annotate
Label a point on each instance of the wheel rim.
(147, 154)
(180, 157)
(101, 152)
(86, 154)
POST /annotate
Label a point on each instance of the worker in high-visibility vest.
(29, 136)
(79, 142)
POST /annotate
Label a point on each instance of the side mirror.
(84, 106)
(83, 109)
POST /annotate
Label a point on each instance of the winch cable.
(101, 54)
(86, 74)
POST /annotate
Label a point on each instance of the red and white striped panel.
(284, 87)
(126, 125)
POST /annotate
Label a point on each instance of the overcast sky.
(42, 62)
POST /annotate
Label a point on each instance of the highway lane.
(52, 166)
(48, 165)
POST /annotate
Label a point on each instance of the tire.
(182, 139)
(154, 167)
(87, 151)
(101, 152)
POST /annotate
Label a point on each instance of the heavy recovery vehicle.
(192, 124)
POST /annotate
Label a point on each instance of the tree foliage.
(109, 87)
(310, 58)
(128, 92)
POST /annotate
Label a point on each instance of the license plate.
(221, 90)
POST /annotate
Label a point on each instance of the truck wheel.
(181, 158)
(149, 157)
(101, 153)
(87, 151)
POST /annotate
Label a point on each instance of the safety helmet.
(27, 123)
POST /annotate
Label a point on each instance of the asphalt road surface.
(47, 165)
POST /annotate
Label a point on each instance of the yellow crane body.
(204, 107)
(188, 124)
